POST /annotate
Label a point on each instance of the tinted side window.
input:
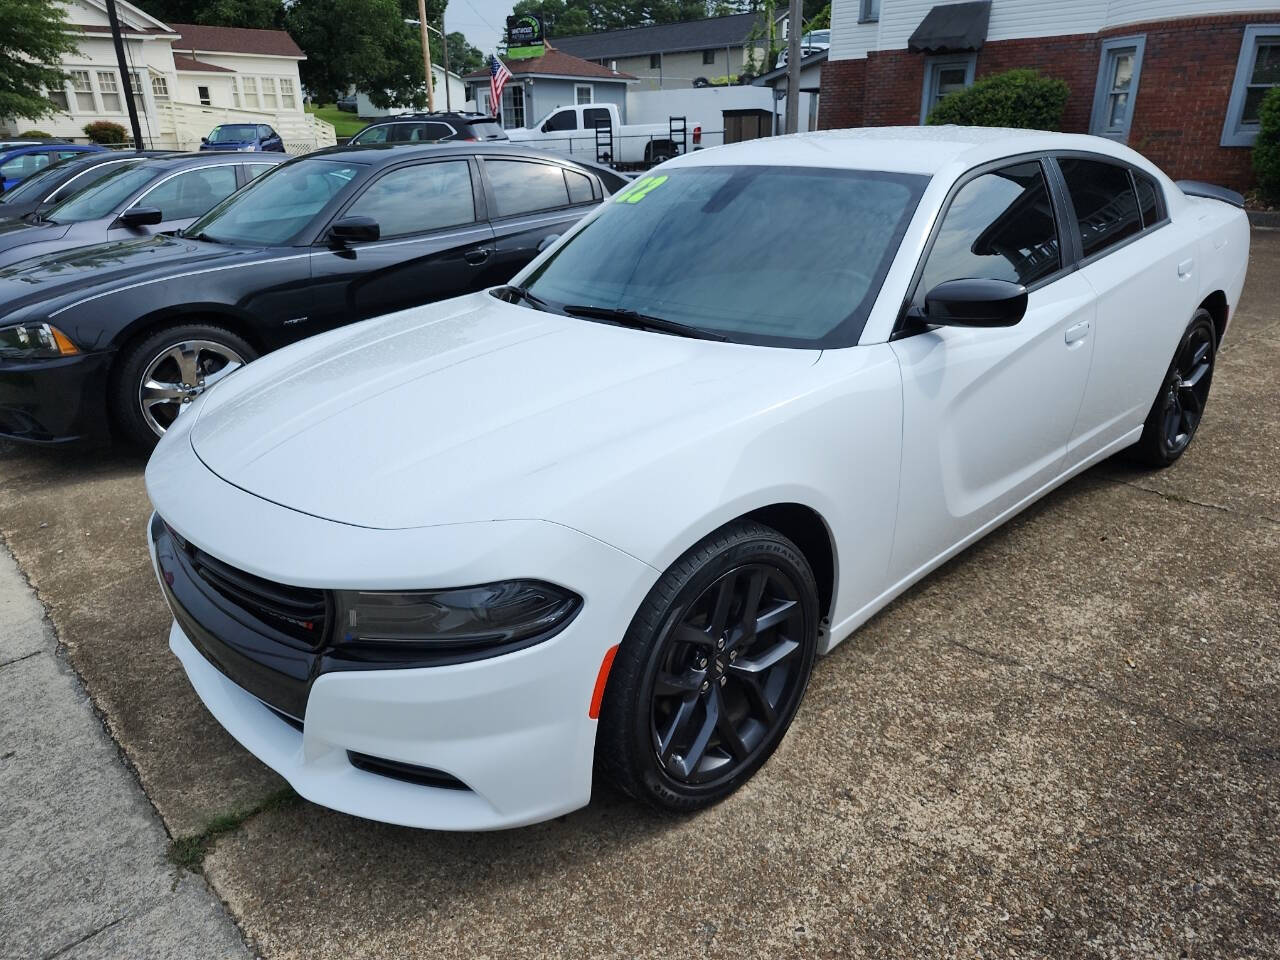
(595, 117)
(564, 120)
(373, 135)
(257, 169)
(1148, 198)
(520, 187)
(999, 226)
(430, 132)
(1106, 207)
(24, 165)
(192, 193)
(414, 199)
(579, 187)
(80, 181)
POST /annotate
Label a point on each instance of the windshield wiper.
(199, 236)
(523, 293)
(641, 321)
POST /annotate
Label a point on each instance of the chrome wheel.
(177, 375)
(727, 675)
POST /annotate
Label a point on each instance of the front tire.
(711, 671)
(1179, 407)
(159, 375)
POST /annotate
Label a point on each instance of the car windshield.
(277, 205)
(233, 133)
(104, 197)
(787, 256)
(31, 186)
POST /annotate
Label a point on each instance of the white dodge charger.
(438, 567)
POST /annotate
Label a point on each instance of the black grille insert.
(408, 772)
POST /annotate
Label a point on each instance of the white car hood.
(470, 410)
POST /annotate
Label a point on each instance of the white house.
(186, 79)
(456, 99)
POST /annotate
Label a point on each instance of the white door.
(1142, 270)
(987, 412)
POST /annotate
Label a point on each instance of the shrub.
(35, 135)
(104, 131)
(1017, 98)
(1266, 150)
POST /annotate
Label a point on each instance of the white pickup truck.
(572, 130)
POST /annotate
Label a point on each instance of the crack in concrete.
(25, 656)
(62, 951)
(1178, 498)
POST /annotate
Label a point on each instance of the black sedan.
(124, 334)
(56, 182)
(157, 195)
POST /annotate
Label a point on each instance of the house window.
(58, 95)
(944, 75)
(250, 93)
(1257, 71)
(235, 92)
(109, 90)
(135, 85)
(1117, 87)
(288, 99)
(869, 11)
(269, 100)
(83, 91)
(202, 93)
(160, 88)
(708, 57)
(513, 106)
(583, 93)
(655, 61)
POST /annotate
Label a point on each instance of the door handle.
(1184, 268)
(476, 256)
(1076, 333)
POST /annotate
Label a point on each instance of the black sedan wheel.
(158, 377)
(1178, 409)
(712, 670)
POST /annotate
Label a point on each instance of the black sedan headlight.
(501, 616)
(35, 341)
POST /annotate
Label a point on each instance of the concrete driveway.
(1064, 743)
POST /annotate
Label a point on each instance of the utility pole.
(124, 73)
(444, 40)
(794, 29)
(426, 55)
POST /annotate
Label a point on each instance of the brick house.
(1179, 81)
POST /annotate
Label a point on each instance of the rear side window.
(999, 226)
(579, 187)
(524, 187)
(24, 166)
(1106, 206)
(487, 130)
(192, 193)
(419, 132)
(257, 169)
(593, 117)
(1148, 199)
(427, 196)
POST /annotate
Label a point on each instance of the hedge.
(1266, 149)
(1017, 98)
(104, 131)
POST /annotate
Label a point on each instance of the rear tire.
(711, 671)
(1179, 407)
(166, 359)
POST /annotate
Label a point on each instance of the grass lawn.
(344, 124)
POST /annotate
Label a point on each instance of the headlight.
(35, 340)
(251, 147)
(490, 615)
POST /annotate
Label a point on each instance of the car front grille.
(298, 612)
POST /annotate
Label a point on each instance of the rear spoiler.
(1198, 188)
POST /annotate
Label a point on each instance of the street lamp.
(421, 22)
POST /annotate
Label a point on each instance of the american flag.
(498, 77)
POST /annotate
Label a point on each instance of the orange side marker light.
(601, 679)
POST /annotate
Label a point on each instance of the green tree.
(1266, 151)
(463, 57)
(258, 14)
(33, 42)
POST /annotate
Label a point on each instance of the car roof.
(444, 115)
(380, 154)
(18, 151)
(176, 161)
(921, 150)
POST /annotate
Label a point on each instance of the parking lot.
(1062, 743)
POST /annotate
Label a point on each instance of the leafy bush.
(1016, 98)
(104, 131)
(1266, 150)
(35, 135)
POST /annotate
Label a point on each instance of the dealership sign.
(524, 37)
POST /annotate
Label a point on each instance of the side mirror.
(140, 217)
(975, 303)
(204, 139)
(355, 230)
(547, 241)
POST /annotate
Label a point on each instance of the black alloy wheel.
(1180, 405)
(712, 671)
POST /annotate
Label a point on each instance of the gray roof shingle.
(712, 33)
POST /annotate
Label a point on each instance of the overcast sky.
(481, 20)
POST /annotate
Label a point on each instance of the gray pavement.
(83, 872)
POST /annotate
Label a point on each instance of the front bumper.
(54, 401)
(512, 730)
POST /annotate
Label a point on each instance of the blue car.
(243, 136)
(19, 162)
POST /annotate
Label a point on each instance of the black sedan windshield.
(35, 183)
(790, 256)
(103, 198)
(233, 133)
(277, 205)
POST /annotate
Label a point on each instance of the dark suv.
(430, 128)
